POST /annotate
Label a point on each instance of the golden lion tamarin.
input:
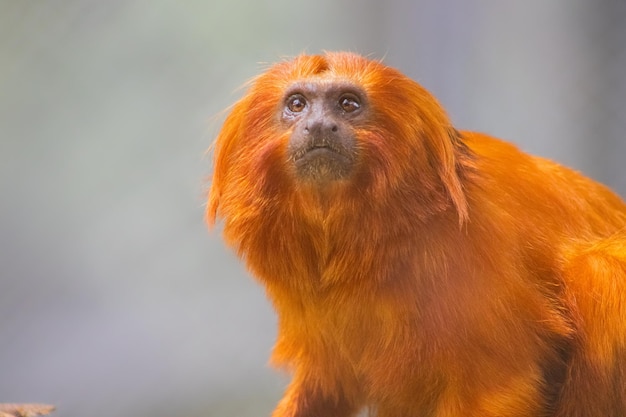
(418, 270)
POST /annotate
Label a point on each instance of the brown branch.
(25, 410)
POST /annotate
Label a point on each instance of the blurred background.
(114, 298)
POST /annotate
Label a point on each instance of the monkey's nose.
(321, 127)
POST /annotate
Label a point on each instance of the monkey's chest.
(372, 338)
(380, 358)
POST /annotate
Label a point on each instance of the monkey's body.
(416, 270)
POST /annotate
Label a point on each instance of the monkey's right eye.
(296, 103)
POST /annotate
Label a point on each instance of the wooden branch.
(25, 410)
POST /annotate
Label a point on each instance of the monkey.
(417, 269)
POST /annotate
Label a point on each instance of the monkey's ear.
(454, 162)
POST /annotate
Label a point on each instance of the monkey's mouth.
(319, 149)
(322, 159)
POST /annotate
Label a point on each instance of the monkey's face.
(338, 123)
(322, 117)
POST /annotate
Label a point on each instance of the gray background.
(114, 298)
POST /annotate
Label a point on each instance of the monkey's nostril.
(320, 127)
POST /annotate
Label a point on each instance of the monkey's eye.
(349, 103)
(296, 103)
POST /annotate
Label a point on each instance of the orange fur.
(449, 275)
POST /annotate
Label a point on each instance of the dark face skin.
(323, 116)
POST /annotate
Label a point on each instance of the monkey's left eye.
(349, 103)
(296, 103)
